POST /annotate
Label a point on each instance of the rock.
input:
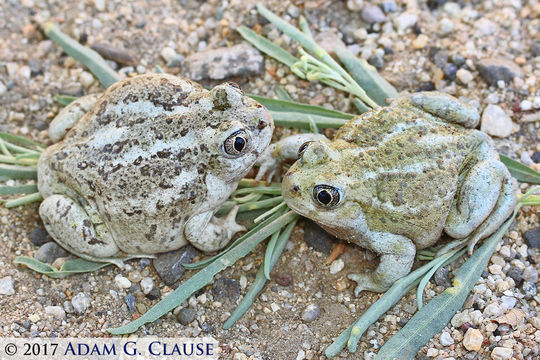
(167, 54)
(169, 265)
(405, 20)
(530, 274)
(186, 316)
(39, 236)
(473, 339)
(535, 48)
(86, 79)
(329, 41)
(3, 88)
(355, 5)
(445, 26)
(80, 302)
(207, 328)
(495, 122)
(49, 252)
(226, 288)
(6, 286)
(336, 266)
(501, 353)
(122, 282)
(377, 61)
(532, 237)
(118, 55)
(493, 310)
(464, 76)
(130, 302)
(56, 312)
(450, 71)
(446, 339)
(147, 284)
(293, 11)
(433, 4)
(311, 313)
(283, 279)
(508, 302)
(485, 27)
(317, 238)
(529, 290)
(176, 61)
(525, 105)
(100, 5)
(154, 294)
(536, 158)
(420, 42)
(372, 14)
(516, 274)
(239, 60)
(388, 6)
(493, 70)
(442, 277)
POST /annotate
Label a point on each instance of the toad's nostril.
(262, 124)
(295, 189)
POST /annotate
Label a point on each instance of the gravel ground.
(487, 52)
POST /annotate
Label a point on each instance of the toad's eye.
(303, 148)
(326, 196)
(234, 85)
(236, 143)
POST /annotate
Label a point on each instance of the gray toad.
(147, 165)
(393, 179)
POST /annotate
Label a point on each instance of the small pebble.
(130, 302)
(493, 311)
(186, 316)
(226, 288)
(49, 252)
(311, 313)
(446, 339)
(80, 303)
(154, 294)
(388, 6)
(530, 274)
(336, 266)
(207, 328)
(355, 5)
(508, 302)
(122, 282)
(473, 339)
(420, 42)
(372, 14)
(532, 237)
(147, 284)
(516, 274)
(167, 54)
(405, 21)
(3, 88)
(445, 26)
(55, 311)
(495, 69)
(529, 290)
(6, 286)
(86, 79)
(464, 76)
(118, 55)
(39, 236)
(526, 105)
(283, 279)
(501, 353)
(169, 265)
(495, 122)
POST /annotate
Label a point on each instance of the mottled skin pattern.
(403, 174)
(145, 169)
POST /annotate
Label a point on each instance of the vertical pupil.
(239, 143)
(324, 197)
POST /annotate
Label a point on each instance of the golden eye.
(303, 148)
(236, 143)
(326, 196)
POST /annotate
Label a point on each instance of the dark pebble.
(10, 85)
(403, 321)
(535, 48)
(377, 61)
(39, 236)
(433, 4)
(226, 288)
(121, 56)
(440, 59)
(140, 24)
(154, 294)
(493, 70)
(529, 290)
(35, 68)
(73, 90)
(458, 60)
(532, 238)
(41, 125)
(207, 328)
(26, 324)
(466, 326)
(283, 279)
(49, 252)
(426, 86)
(317, 238)
(130, 302)
(516, 274)
(169, 265)
(485, 274)
(536, 157)
(186, 316)
(388, 50)
(450, 71)
(442, 277)
(145, 262)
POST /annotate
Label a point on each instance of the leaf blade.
(266, 46)
(520, 171)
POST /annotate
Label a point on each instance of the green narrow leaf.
(24, 200)
(266, 46)
(362, 108)
(367, 77)
(282, 94)
(88, 57)
(21, 189)
(8, 172)
(19, 140)
(268, 254)
(70, 267)
(204, 276)
(520, 171)
(65, 100)
(435, 315)
(291, 106)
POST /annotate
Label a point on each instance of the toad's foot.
(368, 282)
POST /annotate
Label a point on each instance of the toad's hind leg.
(72, 228)
(486, 198)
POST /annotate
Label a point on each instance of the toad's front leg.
(396, 259)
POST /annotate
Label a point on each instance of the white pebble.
(492, 98)
(493, 310)
(336, 266)
(445, 26)
(536, 102)
(168, 54)
(530, 274)
(147, 284)
(495, 122)
(446, 339)
(508, 302)
(501, 353)
(243, 281)
(3, 88)
(122, 282)
(6, 286)
(526, 105)
(56, 312)
(86, 79)
(80, 303)
(405, 21)
(100, 5)
(464, 76)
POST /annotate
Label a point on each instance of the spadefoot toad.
(147, 165)
(393, 179)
